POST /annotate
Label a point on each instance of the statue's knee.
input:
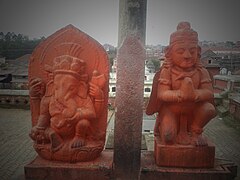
(206, 111)
(210, 110)
(168, 135)
(168, 129)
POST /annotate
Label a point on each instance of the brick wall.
(220, 85)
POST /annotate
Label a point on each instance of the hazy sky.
(216, 20)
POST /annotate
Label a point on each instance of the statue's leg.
(203, 113)
(80, 136)
(43, 121)
(168, 126)
(183, 135)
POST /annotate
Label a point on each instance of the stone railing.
(14, 98)
(14, 85)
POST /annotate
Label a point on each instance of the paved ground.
(16, 147)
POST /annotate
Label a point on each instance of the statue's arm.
(35, 93)
(168, 95)
(35, 110)
(165, 93)
(98, 104)
(87, 111)
(205, 90)
(44, 115)
(98, 98)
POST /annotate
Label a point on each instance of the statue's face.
(184, 54)
(66, 86)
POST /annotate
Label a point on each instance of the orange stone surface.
(182, 95)
(68, 82)
(223, 169)
(184, 155)
(100, 169)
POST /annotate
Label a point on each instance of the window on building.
(113, 89)
(147, 90)
(209, 61)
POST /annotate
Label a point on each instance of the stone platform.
(184, 156)
(222, 170)
(101, 169)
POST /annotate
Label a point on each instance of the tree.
(12, 46)
(1, 36)
(156, 64)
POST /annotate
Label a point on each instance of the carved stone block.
(184, 156)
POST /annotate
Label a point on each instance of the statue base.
(89, 152)
(100, 168)
(184, 155)
(223, 169)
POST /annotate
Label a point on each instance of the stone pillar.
(129, 89)
(132, 19)
(129, 109)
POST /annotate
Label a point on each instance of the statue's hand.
(37, 134)
(187, 90)
(77, 116)
(35, 87)
(178, 96)
(95, 91)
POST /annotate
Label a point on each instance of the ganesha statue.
(68, 91)
(182, 97)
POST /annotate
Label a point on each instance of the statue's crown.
(184, 33)
(67, 61)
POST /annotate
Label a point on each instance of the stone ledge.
(222, 170)
(222, 111)
(12, 92)
(100, 168)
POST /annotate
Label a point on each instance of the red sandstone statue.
(69, 90)
(182, 92)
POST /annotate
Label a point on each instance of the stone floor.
(16, 147)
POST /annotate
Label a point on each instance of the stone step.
(217, 99)
(225, 103)
(222, 111)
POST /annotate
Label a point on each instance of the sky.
(214, 20)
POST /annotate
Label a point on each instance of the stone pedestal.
(101, 168)
(223, 169)
(184, 155)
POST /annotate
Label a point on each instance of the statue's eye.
(193, 50)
